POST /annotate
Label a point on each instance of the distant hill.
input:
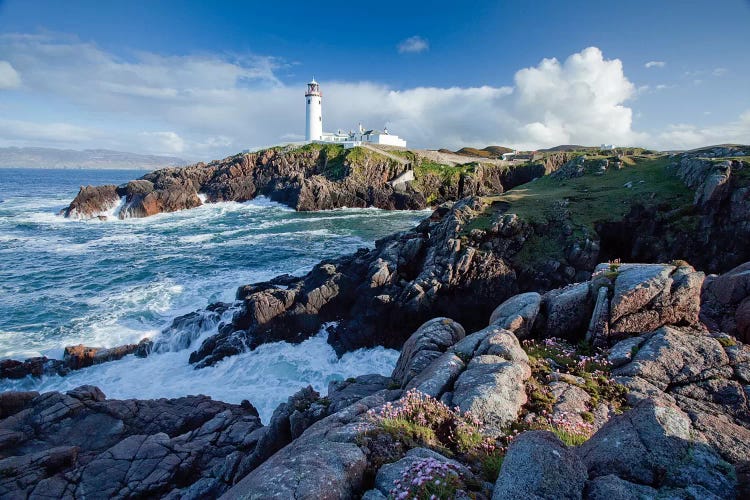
(567, 147)
(88, 158)
(488, 152)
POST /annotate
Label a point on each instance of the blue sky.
(205, 79)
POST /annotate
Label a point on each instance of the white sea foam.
(196, 238)
(265, 376)
(107, 283)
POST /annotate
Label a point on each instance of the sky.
(203, 80)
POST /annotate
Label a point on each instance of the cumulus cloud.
(580, 100)
(655, 64)
(206, 106)
(9, 78)
(413, 44)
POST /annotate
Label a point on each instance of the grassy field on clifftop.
(564, 210)
(596, 198)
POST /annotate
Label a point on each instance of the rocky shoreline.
(660, 409)
(534, 363)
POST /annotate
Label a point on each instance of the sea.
(107, 283)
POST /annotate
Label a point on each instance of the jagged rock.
(81, 444)
(74, 358)
(612, 487)
(439, 375)
(655, 444)
(518, 313)
(623, 352)
(598, 331)
(36, 367)
(647, 296)
(426, 344)
(80, 356)
(92, 201)
(289, 420)
(671, 357)
(566, 311)
(726, 302)
(492, 388)
(303, 178)
(539, 466)
(325, 462)
(346, 392)
(12, 402)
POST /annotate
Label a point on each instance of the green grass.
(493, 209)
(568, 437)
(491, 465)
(581, 203)
(447, 173)
(412, 434)
(595, 198)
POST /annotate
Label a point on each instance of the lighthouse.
(314, 125)
(313, 112)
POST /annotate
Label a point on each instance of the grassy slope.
(583, 202)
(596, 198)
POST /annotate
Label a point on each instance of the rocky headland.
(311, 177)
(579, 336)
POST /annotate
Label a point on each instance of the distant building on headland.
(518, 156)
(314, 126)
(607, 147)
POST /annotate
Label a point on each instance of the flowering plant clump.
(418, 420)
(567, 358)
(427, 479)
(557, 359)
(570, 432)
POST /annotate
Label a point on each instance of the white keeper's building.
(314, 126)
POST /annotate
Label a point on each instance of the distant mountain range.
(88, 158)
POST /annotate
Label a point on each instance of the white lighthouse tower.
(314, 112)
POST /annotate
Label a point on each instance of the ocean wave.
(266, 376)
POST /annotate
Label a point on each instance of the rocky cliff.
(312, 177)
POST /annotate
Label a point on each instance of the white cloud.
(579, 101)
(655, 64)
(163, 142)
(686, 136)
(208, 106)
(26, 133)
(413, 44)
(9, 78)
(719, 71)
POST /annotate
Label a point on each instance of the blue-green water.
(106, 283)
